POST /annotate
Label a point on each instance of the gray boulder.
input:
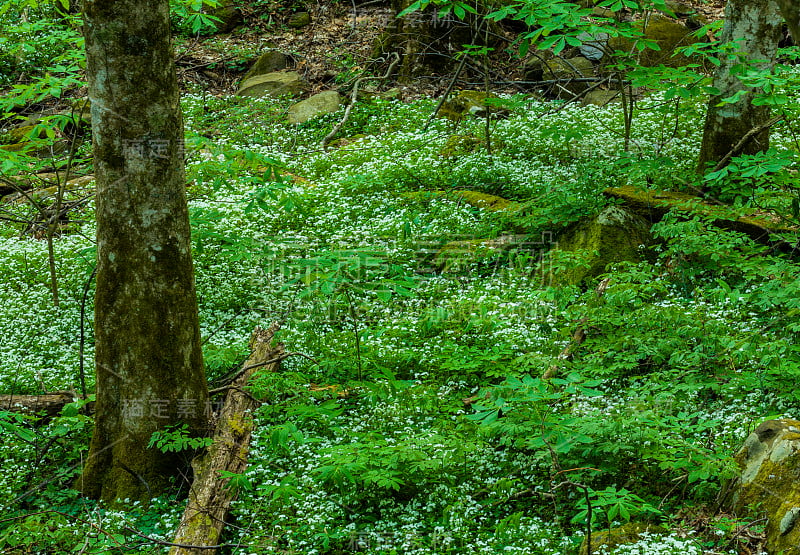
(325, 102)
(593, 47)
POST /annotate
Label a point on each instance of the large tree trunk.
(148, 359)
(757, 25)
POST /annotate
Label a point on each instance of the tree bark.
(148, 359)
(757, 27)
(790, 10)
(210, 498)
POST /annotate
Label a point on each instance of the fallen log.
(47, 404)
(210, 497)
(762, 227)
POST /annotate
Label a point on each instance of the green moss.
(652, 205)
(16, 147)
(457, 256)
(464, 104)
(485, 201)
(458, 145)
(346, 142)
(572, 68)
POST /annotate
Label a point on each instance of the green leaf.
(384, 294)
(418, 5)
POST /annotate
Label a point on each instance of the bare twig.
(353, 98)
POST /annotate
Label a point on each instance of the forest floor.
(421, 424)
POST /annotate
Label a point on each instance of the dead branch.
(353, 98)
(210, 497)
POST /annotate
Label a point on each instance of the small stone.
(789, 520)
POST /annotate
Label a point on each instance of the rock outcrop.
(614, 235)
(769, 480)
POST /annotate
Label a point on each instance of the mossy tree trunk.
(148, 359)
(757, 26)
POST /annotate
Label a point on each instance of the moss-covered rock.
(770, 481)
(667, 34)
(470, 103)
(601, 97)
(614, 235)
(26, 132)
(534, 65)
(268, 62)
(458, 256)
(679, 8)
(566, 70)
(229, 15)
(458, 145)
(13, 147)
(622, 535)
(345, 142)
(299, 20)
(278, 83)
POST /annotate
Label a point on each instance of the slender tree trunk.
(757, 27)
(148, 359)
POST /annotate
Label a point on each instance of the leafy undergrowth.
(424, 427)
